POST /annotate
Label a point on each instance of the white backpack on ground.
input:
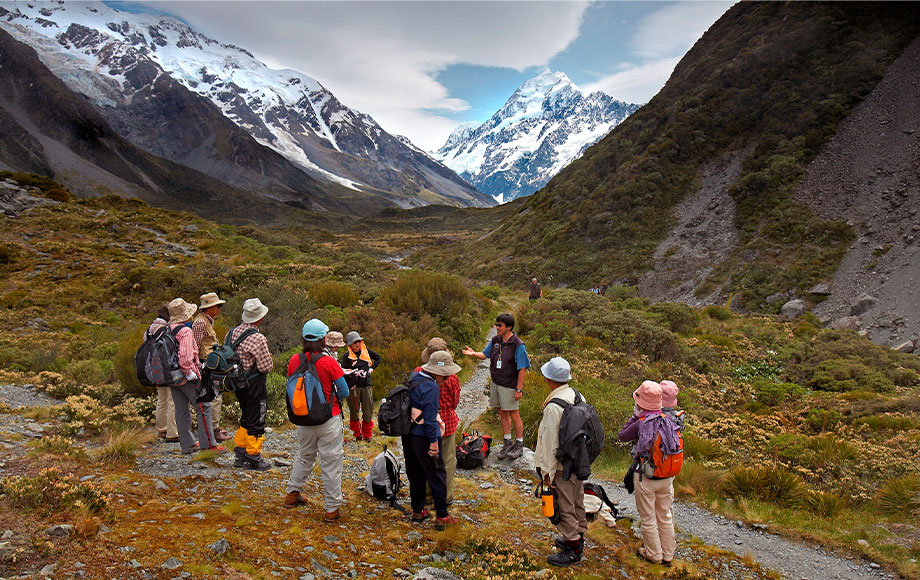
(384, 482)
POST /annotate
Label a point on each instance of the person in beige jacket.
(570, 494)
(206, 339)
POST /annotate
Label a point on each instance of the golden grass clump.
(121, 446)
(900, 496)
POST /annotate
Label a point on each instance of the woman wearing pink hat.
(653, 495)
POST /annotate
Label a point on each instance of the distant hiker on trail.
(257, 362)
(448, 399)
(334, 342)
(570, 494)
(535, 290)
(206, 339)
(654, 496)
(166, 410)
(596, 290)
(508, 366)
(359, 362)
(669, 404)
(324, 441)
(180, 312)
(423, 447)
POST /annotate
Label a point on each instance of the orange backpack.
(660, 465)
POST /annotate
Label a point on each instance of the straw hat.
(180, 310)
(253, 310)
(434, 345)
(441, 363)
(668, 394)
(648, 396)
(210, 299)
(334, 339)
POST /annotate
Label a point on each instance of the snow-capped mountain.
(120, 61)
(546, 124)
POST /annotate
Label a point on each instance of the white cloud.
(637, 83)
(382, 58)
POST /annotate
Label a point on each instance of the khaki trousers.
(570, 504)
(216, 406)
(323, 442)
(166, 414)
(653, 502)
(449, 455)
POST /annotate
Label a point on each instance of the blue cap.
(314, 329)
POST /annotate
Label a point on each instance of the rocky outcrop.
(15, 199)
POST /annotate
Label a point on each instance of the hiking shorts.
(502, 398)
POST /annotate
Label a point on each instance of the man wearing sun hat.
(570, 494)
(257, 362)
(183, 394)
(422, 446)
(206, 338)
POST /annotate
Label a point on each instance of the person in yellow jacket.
(359, 362)
(257, 362)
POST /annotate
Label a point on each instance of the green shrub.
(491, 292)
(124, 368)
(770, 484)
(822, 420)
(58, 194)
(900, 497)
(889, 422)
(744, 482)
(419, 292)
(680, 318)
(826, 505)
(8, 253)
(275, 386)
(774, 394)
(52, 491)
(555, 335)
(86, 372)
(702, 449)
(332, 293)
(841, 375)
(628, 331)
(718, 312)
(289, 306)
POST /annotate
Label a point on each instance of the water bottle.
(546, 497)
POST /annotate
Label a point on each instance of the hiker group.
(182, 356)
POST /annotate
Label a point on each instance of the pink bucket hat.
(668, 394)
(648, 396)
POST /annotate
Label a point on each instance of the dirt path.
(794, 560)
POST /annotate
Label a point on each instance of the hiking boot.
(294, 499)
(516, 450)
(448, 520)
(642, 555)
(330, 517)
(171, 439)
(420, 516)
(566, 557)
(218, 449)
(191, 450)
(562, 543)
(506, 447)
(259, 464)
(221, 435)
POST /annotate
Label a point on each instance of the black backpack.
(581, 437)
(223, 366)
(394, 416)
(473, 450)
(157, 359)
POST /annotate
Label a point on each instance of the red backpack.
(659, 464)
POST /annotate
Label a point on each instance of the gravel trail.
(473, 399)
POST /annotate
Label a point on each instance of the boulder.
(778, 297)
(523, 463)
(60, 530)
(907, 346)
(864, 303)
(820, 290)
(846, 323)
(220, 547)
(794, 308)
(435, 574)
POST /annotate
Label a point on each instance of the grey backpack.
(383, 481)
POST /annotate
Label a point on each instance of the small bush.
(8, 253)
(124, 369)
(744, 482)
(773, 394)
(275, 386)
(554, 335)
(491, 292)
(86, 372)
(900, 497)
(332, 293)
(58, 194)
(680, 318)
(51, 491)
(718, 313)
(889, 422)
(694, 479)
(120, 448)
(822, 420)
(769, 484)
(702, 449)
(58, 445)
(827, 505)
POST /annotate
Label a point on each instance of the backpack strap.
(242, 337)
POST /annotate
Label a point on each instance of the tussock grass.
(121, 447)
(900, 497)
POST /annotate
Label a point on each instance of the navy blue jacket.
(425, 398)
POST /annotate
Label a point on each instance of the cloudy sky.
(421, 68)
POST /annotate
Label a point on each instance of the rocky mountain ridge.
(545, 124)
(143, 71)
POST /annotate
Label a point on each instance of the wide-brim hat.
(210, 299)
(669, 392)
(557, 369)
(253, 310)
(180, 310)
(334, 339)
(648, 396)
(352, 338)
(434, 345)
(441, 363)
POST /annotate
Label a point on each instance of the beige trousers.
(449, 455)
(323, 443)
(216, 405)
(570, 504)
(166, 414)
(653, 502)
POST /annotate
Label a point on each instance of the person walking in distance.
(324, 441)
(508, 364)
(257, 362)
(184, 394)
(359, 363)
(206, 338)
(535, 290)
(570, 504)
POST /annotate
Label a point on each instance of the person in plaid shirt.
(206, 339)
(257, 362)
(448, 399)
